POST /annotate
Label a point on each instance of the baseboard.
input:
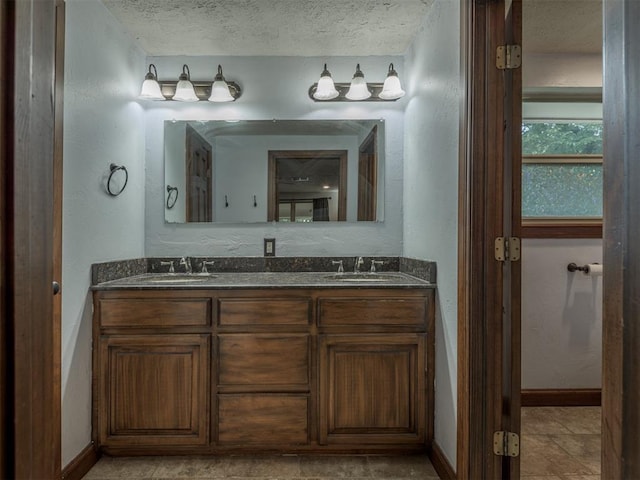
(441, 463)
(79, 466)
(578, 397)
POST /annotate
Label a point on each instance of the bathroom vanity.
(263, 362)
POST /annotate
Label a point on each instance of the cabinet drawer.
(264, 359)
(265, 419)
(154, 312)
(260, 311)
(372, 311)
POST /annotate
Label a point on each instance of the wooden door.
(372, 389)
(31, 390)
(489, 289)
(199, 168)
(153, 390)
(368, 178)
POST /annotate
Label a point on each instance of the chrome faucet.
(169, 264)
(359, 263)
(374, 263)
(340, 265)
(186, 261)
(204, 266)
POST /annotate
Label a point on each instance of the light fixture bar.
(343, 88)
(202, 89)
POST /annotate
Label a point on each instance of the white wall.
(274, 87)
(561, 312)
(561, 70)
(176, 172)
(561, 315)
(103, 68)
(241, 165)
(431, 189)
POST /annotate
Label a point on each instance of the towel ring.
(172, 196)
(114, 168)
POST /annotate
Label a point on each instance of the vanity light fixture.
(184, 89)
(358, 90)
(150, 87)
(392, 90)
(187, 90)
(326, 89)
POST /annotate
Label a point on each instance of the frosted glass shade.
(392, 90)
(185, 92)
(326, 89)
(150, 87)
(220, 92)
(358, 89)
(151, 90)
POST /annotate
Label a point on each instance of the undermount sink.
(178, 278)
(364, 277)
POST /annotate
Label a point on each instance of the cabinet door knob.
(56, 287)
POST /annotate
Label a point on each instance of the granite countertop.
(265, 280)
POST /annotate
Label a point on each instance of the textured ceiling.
(271, 27)
(562, 26)
(331, 27)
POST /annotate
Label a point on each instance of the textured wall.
(431, 190)
(101, 125)
(561, 315)
(274, 87)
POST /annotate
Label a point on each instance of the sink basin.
(364, 277)
(177, 278)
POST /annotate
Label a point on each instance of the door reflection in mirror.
(307, 186)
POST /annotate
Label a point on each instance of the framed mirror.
(293, 171)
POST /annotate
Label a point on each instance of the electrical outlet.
(269, 247)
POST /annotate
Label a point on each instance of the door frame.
(488, 368)
(621, 282)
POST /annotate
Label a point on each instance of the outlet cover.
(269, 247)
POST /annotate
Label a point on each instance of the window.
(561, 177)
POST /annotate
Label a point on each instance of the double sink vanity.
(252, 360)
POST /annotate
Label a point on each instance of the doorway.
(199, 168)
(307, 186)
(561, 318)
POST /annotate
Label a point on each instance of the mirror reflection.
(300, 171)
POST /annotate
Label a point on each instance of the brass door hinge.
(508, 57)
(507, 248)
(506, 444)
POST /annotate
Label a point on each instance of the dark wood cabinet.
(154, 390)
(372, 389)
(249, 370)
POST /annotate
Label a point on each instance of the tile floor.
(560, 443)
(265, 468)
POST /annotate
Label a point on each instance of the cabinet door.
(372, 389)
(153, 390)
